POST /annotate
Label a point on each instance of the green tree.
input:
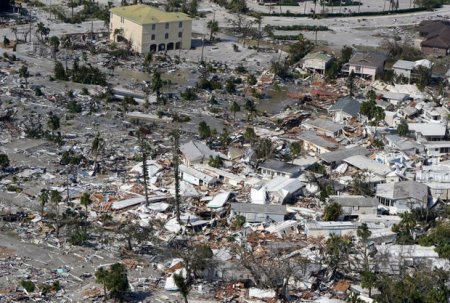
(42, 30)
(183, 287)
(428, 4)
(337, 253)
(280, 69)
(215, 161)
(299, 49)
(4, 161)
(249, 134)
(368, 277)
(346, 53)
(24, 73)
(54, 43)
(116, 281)
(189, 94)
(234, 108)
(101, 276)
(325, 192)
(351, 83)
(53, 123)
(405, 228)
(439, 236)
(251, 80)
(332, 211)
(264, 149)
(59, 71)
(230, 86)
(6, 41)
(295, 149)
(213, 27)
(418, 285)
(402, 128)
(370, 109)
(204, 131)
(360, 184)
(135, 233)
(237, 6)
(147, 62)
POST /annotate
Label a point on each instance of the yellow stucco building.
(150, 29)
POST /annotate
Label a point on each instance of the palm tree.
(66, 44)
(14, 31)
(100, 277)
(43, 200)
(251, 108)
(145, 149)
(234, 108)
(24, 73)
(258, 20)
(213, 26)
(55, 199)
(85, 200)
(98, 144)
(157, 84)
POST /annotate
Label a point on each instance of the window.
(167, 35)
(153, 37)
(180, 34)
(167, 25)
(153, 26)
(122, 20)
(180, 24)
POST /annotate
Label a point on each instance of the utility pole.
(176, 170)
(29, 12)
(203, 47)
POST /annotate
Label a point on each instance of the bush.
(334, 15)
(189, 94)
(74, 107)
(28, 285)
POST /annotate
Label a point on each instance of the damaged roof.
(312, 137)
(324, 124)
(372, 59)
(341, 154)
(347, 104)
(259, 208)
(349, 201)
(197, 151)
(403, 190)
(280, 166)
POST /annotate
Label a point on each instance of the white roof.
(428, 129)
(284, 185)
(424, 62)
(362, 162)
(330, 225)
(198, 174)
(219, 200)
